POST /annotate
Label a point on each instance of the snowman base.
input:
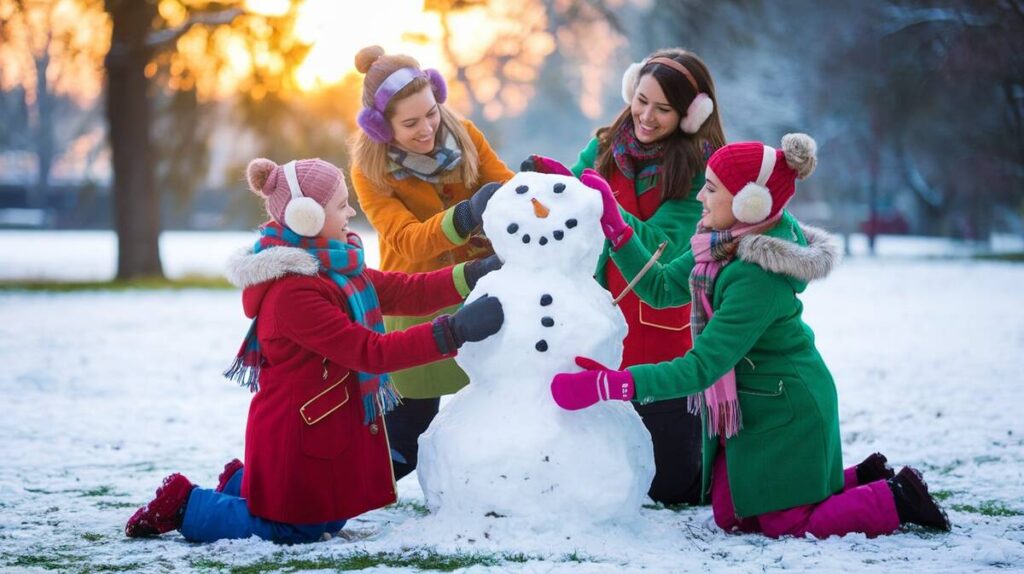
(536, 477)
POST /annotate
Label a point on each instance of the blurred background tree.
(917, 105)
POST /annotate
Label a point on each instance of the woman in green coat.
(772, 454)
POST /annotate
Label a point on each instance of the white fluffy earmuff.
(629, 81)
(303, 215)
(754, 202)
(697, 113)
(699, 110)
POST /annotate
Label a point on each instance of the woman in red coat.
(317, 358)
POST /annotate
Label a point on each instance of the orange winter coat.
(408, 217)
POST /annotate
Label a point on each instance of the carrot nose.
(539, 209)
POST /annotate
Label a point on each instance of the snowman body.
(501, 446)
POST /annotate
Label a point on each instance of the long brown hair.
(683, 153)
(372, 156)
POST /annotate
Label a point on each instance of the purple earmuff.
(375, 125)
(437, 84)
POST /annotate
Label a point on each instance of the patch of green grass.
(421, 560)
(416, 507)
(942, 495)
(44, 561)
(101, 491)
(93, 536)
(988, 508)
(62, 562)
(106, 505)
(189, 282)
(1017, 257)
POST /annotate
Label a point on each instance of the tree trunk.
(135, 198)
(44, 130)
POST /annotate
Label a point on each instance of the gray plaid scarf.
(428, 167)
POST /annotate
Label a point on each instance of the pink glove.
(541, 164)
(575, 391)
(614, 226)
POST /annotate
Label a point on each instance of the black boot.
(914, 504)
(874, 467)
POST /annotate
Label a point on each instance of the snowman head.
(545, 221)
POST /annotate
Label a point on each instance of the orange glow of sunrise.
(338, 30)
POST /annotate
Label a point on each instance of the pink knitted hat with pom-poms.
(318, 180)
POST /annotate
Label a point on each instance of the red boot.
(165, 512)
(230, 469)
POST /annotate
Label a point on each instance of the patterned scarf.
(344, 264)
(713, 250)
(428, 167)
(636, 160)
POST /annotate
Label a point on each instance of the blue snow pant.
(212, 515)
(405, 425)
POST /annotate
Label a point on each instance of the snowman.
(502, 447)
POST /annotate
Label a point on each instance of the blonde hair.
(372, 156)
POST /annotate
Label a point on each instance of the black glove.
(477, 268)
(474, 322)
(469, 213)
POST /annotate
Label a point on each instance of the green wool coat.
(788, 452)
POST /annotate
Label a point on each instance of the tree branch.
(162, 38)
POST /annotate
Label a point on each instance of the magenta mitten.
(541, 164)
(614, 226)
(575, 391)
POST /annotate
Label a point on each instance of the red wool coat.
(308, 456)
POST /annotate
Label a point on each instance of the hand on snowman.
(477, 268)
(474, 322)
(575, 391)
(468, 214)
(612, 224)
(541, 164)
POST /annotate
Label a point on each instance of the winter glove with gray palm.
(469, 213)
(474, 322)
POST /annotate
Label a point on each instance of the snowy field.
(102, 394)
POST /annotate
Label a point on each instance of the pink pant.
(868, 508)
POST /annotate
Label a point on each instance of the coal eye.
(522, 189)
(513, 228)
(559, 187)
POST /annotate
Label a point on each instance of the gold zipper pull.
(325, 368)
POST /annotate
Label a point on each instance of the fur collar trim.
(807, 263)
(246, 268)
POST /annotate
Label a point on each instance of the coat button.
(374, 429)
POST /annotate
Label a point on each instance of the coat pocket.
(327, 420)
(764, 403)
(669, 318)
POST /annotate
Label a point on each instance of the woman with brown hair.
(417, 170)
(654, 155)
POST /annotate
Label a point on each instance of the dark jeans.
(677, 451)
(405, 424)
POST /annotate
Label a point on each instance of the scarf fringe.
(244, 374)
(386, 396)
(726, 418)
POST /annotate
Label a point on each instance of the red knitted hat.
(316, 181)
(761, 178)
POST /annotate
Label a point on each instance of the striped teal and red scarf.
(344, 264)
(713, 250)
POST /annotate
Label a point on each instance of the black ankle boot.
(874, 467)
(913, 502)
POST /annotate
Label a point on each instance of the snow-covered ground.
(103, 393)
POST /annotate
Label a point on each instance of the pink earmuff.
(699, 110)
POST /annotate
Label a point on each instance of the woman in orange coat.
(417, 170)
